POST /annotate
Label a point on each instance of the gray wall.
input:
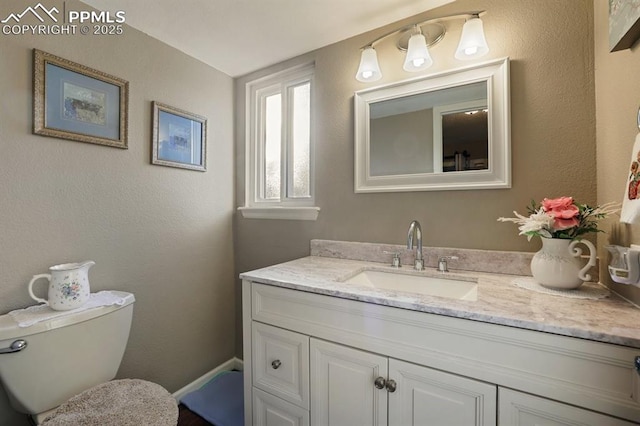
(162, 233)
(550, 44)
(617, 88)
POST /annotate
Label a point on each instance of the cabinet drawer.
(269, 410)
(520, 409)
(280, 363)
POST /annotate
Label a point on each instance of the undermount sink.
(431, 286)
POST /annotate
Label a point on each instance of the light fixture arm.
(467, 15)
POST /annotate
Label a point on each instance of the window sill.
(287, 213)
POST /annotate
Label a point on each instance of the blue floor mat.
(220, 401)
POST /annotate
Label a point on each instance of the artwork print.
(83, 104)
(179, 138)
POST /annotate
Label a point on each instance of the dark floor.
(189, 418)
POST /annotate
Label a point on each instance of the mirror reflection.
(465, 139)
(441, 131)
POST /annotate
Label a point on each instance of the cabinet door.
(269, 410)
(342, 386)
(520, 409)
(424, 396)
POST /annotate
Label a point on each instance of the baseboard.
(232, 364)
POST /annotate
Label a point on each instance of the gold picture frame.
(72, 101)
(179, 138)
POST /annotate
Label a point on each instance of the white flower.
(538, 223)
(606, 209)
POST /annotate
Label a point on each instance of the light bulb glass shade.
(472, 42)
(418, 57)
(369, 70)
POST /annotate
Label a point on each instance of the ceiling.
(241, 36)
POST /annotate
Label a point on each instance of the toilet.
(44, 365)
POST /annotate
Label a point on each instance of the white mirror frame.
(498, 175)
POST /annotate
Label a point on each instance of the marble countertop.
(499, 301)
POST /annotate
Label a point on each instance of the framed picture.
(72, 101)
(179, 138)
(624, 24)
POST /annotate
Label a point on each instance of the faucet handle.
(442, 262)
(395, 262)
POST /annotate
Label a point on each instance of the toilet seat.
(125, 402)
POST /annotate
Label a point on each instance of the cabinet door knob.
(379, 383)
(636, 363)
(391, 385)
(276, 364)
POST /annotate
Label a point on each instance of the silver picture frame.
(179, 138)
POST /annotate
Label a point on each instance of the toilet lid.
(9, 328)
(126, 402)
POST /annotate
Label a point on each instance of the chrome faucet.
(442, 263)
(415, 228)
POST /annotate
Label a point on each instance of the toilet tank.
(64, 356)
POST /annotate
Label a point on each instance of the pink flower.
(557, 203)
(561, 224)
(563, 210)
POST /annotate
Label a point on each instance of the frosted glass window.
(301, 140)
(272, 147)
(280, 142)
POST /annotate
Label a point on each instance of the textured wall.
(550, 44)
(162, 233)
(617, 88)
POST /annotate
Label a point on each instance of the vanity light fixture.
(416, 39)
(472, 42)
(418, 57)
(369, 70)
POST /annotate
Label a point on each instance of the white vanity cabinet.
(339, 359)
(354, 387)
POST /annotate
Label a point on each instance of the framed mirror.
(446, 131)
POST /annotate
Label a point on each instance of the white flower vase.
(557, 264)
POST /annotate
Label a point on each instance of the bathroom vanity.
(322, 347)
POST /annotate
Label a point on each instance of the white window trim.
(275, 212)
(291, 208)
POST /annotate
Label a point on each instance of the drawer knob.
(276, 364)
(380, 383)
(391, 385)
